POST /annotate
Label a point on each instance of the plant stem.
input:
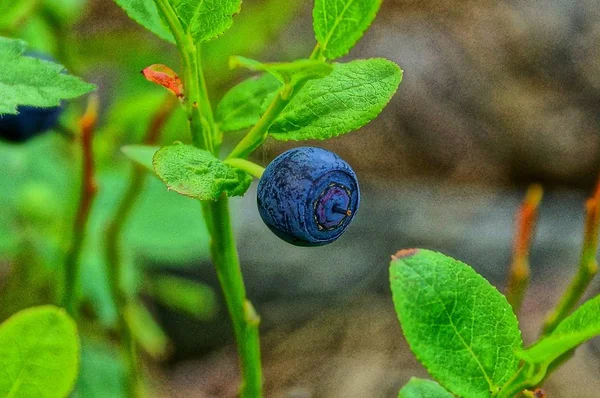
(115, 264)
(260, 131)
(88, 193)
(244, 317)
(518, 280)
(588, 267)
(216, 214)
(194, 85)
(250, 167)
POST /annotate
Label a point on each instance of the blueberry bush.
(76, 319)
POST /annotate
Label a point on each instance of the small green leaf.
(350, 97)
(146, 14)
(196, 173)
(457, 324)
(421, 388)
(141, 154)
(339, 24)
(146, 330)
(206, 19)
(580, 326)
(33, 82)
(191, 298)
(241, 107)
(286, 72)
(39, 353)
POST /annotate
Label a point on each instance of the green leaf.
(457, 324)
(350, 97)
(191, 298)
(31, 81)
(146, 331)
(141, 154)
(39, 351)
(339, 24)
(196, 173)
(146, 14)
(241, 107)
(286, 72)
(580, 326)
(206, 19)
(421, 388)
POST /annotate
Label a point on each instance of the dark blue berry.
(30, 121)
(308, 196)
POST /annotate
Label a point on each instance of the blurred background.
(496, 95)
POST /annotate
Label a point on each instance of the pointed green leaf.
(241, 107)
(286, 72)
(33, 82)
(350, 97)
(146, 14)
(206, 19)
(580, 326)
(188, 297)
(339, 24)
(146, 330)
(39, 353)
(457, 324)
(421, 388)
(196, 173)
(141, 154)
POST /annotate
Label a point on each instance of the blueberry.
(308, 196)
(30, 121)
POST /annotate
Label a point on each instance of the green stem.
(244, 317)
(194, 86)
(113, 253)
(250, 167)
(588, 267)
(115, 273)
(223, 250)
(260, 131)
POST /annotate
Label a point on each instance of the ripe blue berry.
(308, 196)
(30, 121)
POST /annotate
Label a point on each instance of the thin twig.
(518, 280)
(113, 253)
(88, 194)
(588, 267)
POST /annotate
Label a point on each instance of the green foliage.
(30, 81)
(350, 97)
(580, 326)
(39, 351)
(146, 14)
(420, 388)
(339, 24)
(145, 330)
(291, 73)
(102, 373)
(457, 324)
(205, 19)
(187, 297)
(141, 154)
(196, 173)
(241, 107)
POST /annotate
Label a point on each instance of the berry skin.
(30, 121)
(308, 196)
